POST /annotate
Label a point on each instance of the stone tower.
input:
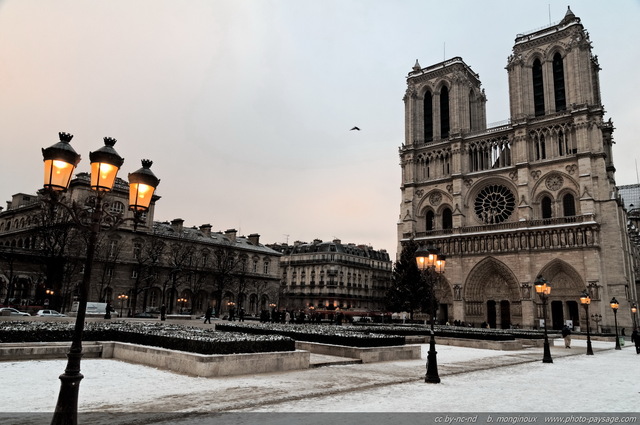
(533, 196)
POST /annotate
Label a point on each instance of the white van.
(93, 309)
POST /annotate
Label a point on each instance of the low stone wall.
(517, 344)
(367, 355)
(208, 365)
(176, 361)
(45, 350)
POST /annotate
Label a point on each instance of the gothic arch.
(492, 294)
(564, 279)
(491, 277)
(427, 202)
(569, 183)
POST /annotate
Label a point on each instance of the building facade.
(136, 269)
(535, 196)
(329, 276)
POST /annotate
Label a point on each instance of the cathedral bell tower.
(534, 195)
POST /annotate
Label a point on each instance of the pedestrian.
(207, 315)
(566, 334)
(635, 338)
(108, 309)
(163, 312)
(241, 314)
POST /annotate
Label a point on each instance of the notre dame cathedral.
(534, 196)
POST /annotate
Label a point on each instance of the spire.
(569, 16)
(417, 66)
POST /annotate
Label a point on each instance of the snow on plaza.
(605, 382)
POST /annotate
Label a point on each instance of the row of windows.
(566, 207)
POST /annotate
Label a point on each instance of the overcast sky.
(245, 106)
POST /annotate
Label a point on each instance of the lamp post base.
(432, 363)
(546, 358)
(66, 412)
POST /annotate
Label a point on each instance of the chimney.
(206, 230)
(254, 238)
(176, 224)
(231, 234)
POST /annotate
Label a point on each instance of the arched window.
(430, 219)
(428, 117)
(538, 88)
(447, 219)
(569, 205)
(540, 147)
(444, 113)
(546, 207)
(558, 83)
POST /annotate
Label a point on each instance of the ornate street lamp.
(182, 301)
(543, 289)
(597, 318)
(614, 306)
(122, 298)
(585, 300)
(634, 309)
(431, 264)
(60, 160)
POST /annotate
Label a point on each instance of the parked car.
(10, 311)
(49, 313)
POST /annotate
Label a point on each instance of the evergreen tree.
(408, 289)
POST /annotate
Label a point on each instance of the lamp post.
(60, 160)
(597, 318)
(182, 301)
(614, 306)
(431, 264)
(634, 309)
(122, 298)
(585, 300)
(543, 288)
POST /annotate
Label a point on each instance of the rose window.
(494, 204)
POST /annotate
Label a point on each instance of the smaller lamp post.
(585, 300)
(597, 318)
(182, 301)
(634, 310)
(544, 289)
(431, 264)
(614, 306)
(122, 298)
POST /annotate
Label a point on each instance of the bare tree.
(226, 263)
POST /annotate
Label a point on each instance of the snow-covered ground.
(605, 382)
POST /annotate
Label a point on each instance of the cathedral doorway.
(491, 314)
(574, 313)
(557, 315)
(505, 314)
(492, 295)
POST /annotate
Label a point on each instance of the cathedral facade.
(535, 196)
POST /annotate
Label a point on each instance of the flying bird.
(355, 128)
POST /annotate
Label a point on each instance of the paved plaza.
(474, 381)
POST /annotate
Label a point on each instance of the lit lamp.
(634, 310)
(182, 301)
(585, 300)
(122, 298)
(543, 289)
(60, 160)
(105, 163)
(142, 184)
(431, 264)
(614, 306)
